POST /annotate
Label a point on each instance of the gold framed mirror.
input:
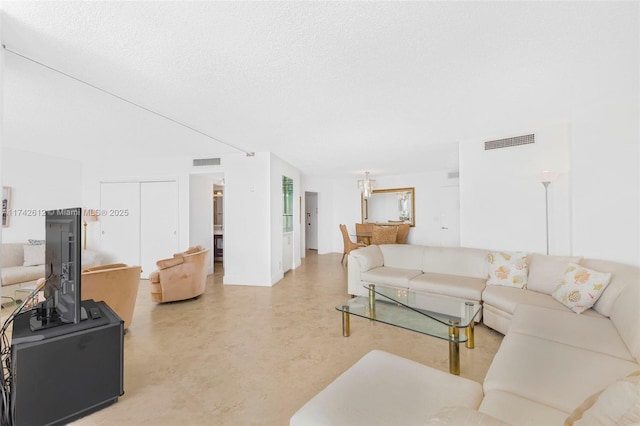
(389, 206)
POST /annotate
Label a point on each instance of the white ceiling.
(334, 88)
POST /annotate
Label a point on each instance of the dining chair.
(403, 233)
(348, 244)
(385, 234)
(363, 232)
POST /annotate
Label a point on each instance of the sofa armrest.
(168, 263)
(103, 267)
(368, 257)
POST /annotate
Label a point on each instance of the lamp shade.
(547, 176)
(90, 215)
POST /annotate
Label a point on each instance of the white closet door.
(158, 223)
(120, 222)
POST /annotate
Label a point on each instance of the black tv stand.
(62, 373)
(38, 321)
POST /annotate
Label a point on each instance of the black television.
(62, 271)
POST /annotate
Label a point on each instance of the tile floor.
(241, 355)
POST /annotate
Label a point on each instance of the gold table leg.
(346, 325)
(372, 301)
(470, 340)
(454, 348)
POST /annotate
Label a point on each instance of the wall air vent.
(507, 142)
(453, 175)
(206, 162)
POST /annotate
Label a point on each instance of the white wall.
(38, 182)
(247, 220)
(606, 189)
(502, 203)
(339, 202)
(427, 202)
(1, 109)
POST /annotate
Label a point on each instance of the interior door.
(119, 219)
(158, 223)
(450, 216)
(311, 220)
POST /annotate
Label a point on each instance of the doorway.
(218, 222)
(449, 216)
(311, 220)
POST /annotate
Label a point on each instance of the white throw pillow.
(33, 254)
(507, 269)
(545, 272)
(580, 287)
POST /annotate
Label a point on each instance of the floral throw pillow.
(580, 287)
(507, 269)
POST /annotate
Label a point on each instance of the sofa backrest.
(621, 276)
(625, 315)
(405, 256)
(12, 254)
(467, 262)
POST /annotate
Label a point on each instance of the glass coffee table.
(438, 316)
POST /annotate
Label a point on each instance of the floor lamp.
(546, 178)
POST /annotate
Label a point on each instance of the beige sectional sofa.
(455, 272)
(23, 265)
(15, 271)
(554, 366)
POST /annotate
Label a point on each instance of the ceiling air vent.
(206, 162)
(505, 143)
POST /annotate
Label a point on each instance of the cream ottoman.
(385, 389)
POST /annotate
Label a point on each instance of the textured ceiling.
(333, 88)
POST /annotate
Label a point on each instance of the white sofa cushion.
(12, 254)
(546, 272)
(385, 389)
(507, 269)
(469, 262)
(507, 299)
(596, 334)
(553, 374)
(395, 277)
(405, 256)
(516, 410)
(468, 288)
(621, 275)
(581, 287)
(21, 274)
(625, 315)
(368, 257)
(33, 254)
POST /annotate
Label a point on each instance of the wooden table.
(366, 237)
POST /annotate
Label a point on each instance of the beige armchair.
(116, 285)
(181, 277)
